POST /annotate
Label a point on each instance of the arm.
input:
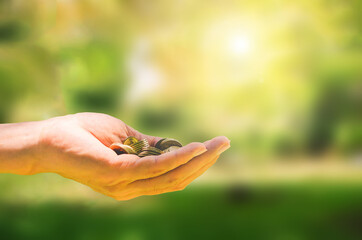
(19, 147)
(77, 147)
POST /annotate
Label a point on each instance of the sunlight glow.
(239, 45)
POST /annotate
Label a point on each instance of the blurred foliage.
(91, 78)
(278, 78)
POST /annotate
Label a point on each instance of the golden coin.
(132, 145)
(144, 154)
(153, 150)
(138, 146)
(159, 142)
(120, 148)
(130, 140)
(167, 142)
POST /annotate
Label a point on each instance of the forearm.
(19, 147)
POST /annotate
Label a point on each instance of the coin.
(130, 140)
(165, 143)
(131, 145)
(153, 150)
(159, 142)
(144, 154)
(150, 151)
(138, 146)
(120, 148)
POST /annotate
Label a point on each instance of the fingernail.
(200, 151)
(223, 148)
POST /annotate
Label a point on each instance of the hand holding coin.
(114, 159)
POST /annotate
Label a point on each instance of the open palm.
(77, 147)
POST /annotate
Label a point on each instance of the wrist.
(20, 148)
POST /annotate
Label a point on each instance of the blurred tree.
(93, 77)
(11, 89)
(338, 102)
(12, 31)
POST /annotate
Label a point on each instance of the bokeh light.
(239, 45)
(281, 79)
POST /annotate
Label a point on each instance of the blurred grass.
(289, 211)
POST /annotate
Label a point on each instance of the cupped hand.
(77, 147)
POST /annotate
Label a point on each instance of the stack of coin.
(142, 148)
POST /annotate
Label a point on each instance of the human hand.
(77, 147)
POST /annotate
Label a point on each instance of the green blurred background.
(281, 79)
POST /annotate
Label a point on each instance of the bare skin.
(76, 147)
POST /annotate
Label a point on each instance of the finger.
(197, 174)
(152, 166)
(152, 140)
(118, 192)
(178, 187)
(127, 162)
(172, 178)
(114, 191)
(181, 185)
